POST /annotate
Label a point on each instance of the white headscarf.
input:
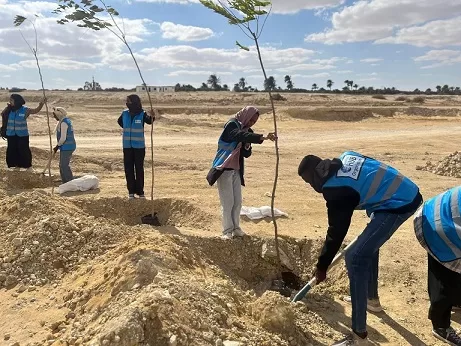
(60, 113)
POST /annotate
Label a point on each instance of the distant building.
(155, 89)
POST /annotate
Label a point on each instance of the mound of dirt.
(24, 180)
(116, 284)
(170, 211)
(449, 166)
(432, 112)
(340, 114)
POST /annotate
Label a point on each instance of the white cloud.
(315, 75)
(188, 57)
(367, 79)
(371, 60)
(185, 33)
(278, 6)
(438, 33)
(344, 72)
(441, 57)
(367, 20)
(11, 67)
(197, 73)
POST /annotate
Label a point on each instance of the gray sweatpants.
(64, 165)
(230, 195)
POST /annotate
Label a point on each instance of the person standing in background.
(14, 127)
(66, 143)
(132, 121)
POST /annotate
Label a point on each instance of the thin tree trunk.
(50, 158)
(151, 128)
(274, 188)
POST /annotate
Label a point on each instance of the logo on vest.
(352, 165)
(137, 121)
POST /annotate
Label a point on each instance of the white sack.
(85, 183)
(260, 213)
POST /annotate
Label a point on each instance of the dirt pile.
(340, 114)
(117, 283)
(449, 166)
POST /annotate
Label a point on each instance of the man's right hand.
(320, 275)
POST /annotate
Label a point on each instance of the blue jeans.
(362, 263)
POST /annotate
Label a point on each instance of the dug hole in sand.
(78, 271)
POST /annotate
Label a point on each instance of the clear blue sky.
(403, 43)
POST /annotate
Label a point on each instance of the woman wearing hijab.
(14, 127)
(66, 143)
(132, 121)
(227, 170)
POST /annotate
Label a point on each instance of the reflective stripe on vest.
(133, 130)
(380, 187)
(442, 225)
(224, 148)
(17, 123)
(69, 144)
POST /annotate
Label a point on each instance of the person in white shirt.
(66, 143)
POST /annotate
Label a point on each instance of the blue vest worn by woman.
(380, 187)
(224, 148)
(17, 123)
(69, 144)
(133, 130)
(442, 225)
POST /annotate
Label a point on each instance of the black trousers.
(444, 286)
(133, 161)
(18, 152)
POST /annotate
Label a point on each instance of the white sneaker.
(131, 196)
(352, 340)
(238, 233)
(373, 305)
(142, 196)
(227, 236)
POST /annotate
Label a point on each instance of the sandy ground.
(185, 143)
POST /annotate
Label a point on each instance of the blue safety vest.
(69, 144)
(17, 123)
(442, 225)
(224, 148)
(380, 187)
(133, 130)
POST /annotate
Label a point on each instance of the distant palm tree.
(314, 87)
(356, 86)
(351, 83)
(289, 82)
(242, 83)
(270, 84)
(214, 81)
(439, 89)
(347, 81)
(330, 84)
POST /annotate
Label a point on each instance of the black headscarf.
(18, 101)
(316, 171)
(135, 107)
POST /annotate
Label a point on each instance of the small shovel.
(302, 293)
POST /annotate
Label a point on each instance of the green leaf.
(18, 20)
(242, 47)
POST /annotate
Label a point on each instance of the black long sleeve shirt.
(341, 203)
